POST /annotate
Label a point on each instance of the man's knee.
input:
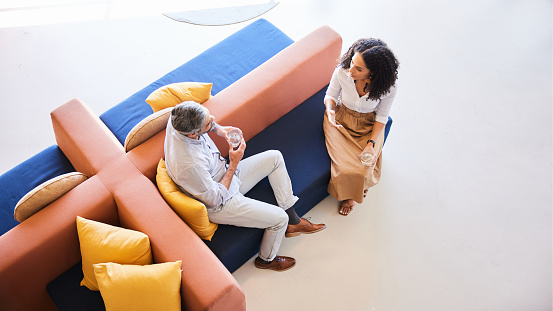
(281, 220)
(276, 156)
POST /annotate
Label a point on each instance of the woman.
(358, 102)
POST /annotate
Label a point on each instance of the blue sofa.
(297, 134)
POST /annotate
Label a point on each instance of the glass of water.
(235, 137)
(367, 158)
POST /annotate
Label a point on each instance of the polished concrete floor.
(462, 218)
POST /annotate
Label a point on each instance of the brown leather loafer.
(305, 226)
(280, 263)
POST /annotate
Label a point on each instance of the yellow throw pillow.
(46, 193)
(106, 243)
(176, 93)
(192, 211)
(136, 288)
(147, 128)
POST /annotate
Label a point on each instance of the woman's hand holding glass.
(368, 157)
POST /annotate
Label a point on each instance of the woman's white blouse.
(342, 87)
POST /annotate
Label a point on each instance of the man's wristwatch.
(372, 141)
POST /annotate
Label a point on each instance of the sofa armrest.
(83, 137)
(44, 246)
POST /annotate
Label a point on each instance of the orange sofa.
(46, 244)
(121, 187)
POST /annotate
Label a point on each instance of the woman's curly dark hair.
(380, 60)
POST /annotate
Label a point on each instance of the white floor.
(462, 218)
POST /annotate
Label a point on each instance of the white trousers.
(245, 212)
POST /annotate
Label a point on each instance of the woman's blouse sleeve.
(383, 109)
(334, 87)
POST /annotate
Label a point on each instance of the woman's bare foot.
(365, 193)
(346, 207)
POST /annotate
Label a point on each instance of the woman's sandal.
(346, 207)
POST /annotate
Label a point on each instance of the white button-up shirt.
(196, 166)
(342, 86)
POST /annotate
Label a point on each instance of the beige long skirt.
(348, 176)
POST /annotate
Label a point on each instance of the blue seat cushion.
(18, 181)
(299, 136)
(222, 65)
(67, 293)
(308, 165)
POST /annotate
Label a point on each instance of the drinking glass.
(367, 158)
(235, 138)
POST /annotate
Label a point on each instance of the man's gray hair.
(188, 117)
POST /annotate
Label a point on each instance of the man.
(195, 164)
